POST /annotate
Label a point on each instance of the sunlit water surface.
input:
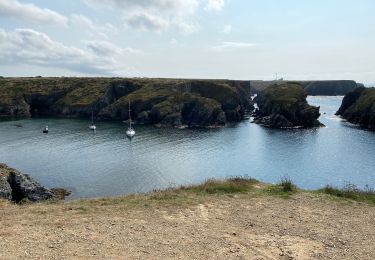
(106, 163)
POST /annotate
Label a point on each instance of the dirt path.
(306, 226)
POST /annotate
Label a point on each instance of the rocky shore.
(16, 186)
(163, 102)
(285, 106)
(358, 107)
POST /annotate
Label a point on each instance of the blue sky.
(236, 39)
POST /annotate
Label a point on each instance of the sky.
(231, 39)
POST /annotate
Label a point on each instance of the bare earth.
(243, 226)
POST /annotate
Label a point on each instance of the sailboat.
(92, 126)
(45, 130)
(130, 132)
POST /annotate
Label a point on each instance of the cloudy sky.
(236, 39)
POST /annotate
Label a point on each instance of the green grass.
(229, 186)
(287, 93)
(285, 188)
(351, 192)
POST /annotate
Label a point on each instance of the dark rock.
(350, 99)
(358, 107)
(22, 186)
(143, 118)
(5, 189)
(285, 106)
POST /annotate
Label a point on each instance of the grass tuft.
(229, 186)
(350, 191)
(284, 188)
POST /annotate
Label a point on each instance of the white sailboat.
(130, 132)
(92, 126)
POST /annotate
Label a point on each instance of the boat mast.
(130, 119)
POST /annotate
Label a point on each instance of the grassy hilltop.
(153, 101)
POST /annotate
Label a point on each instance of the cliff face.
(313, 88)
(285, 106)
(358, 107)
(153, 101)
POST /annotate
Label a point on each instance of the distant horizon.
(218, 39)
(183, 78)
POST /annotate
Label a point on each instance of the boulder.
(16, 186)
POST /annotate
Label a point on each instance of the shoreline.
(234, 219)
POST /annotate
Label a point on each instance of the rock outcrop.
(285, 106)
(176, 102)
(312, 88)
(358, 107)
(17, 187)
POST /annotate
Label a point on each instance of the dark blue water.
(107, 163)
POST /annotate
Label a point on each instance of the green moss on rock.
(156, 101)
(358, 107)
(285, 106)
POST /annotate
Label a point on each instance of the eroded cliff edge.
(285, 106)
(153, 101)
(358, 107)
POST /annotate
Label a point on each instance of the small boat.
(130, 132)
(45, 130)
(92, 126)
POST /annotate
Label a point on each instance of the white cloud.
(232, 46)
(215, 5)
(30, 13)
(227, 29)
(79, 20)
(154, 15)
(27, 46)
(146, 21)
(104, 48)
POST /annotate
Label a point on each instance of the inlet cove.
(185, 132)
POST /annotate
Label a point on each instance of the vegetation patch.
(351, 192)
(285, 188)
(229, 186)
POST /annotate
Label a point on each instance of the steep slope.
(358, 107)
(176, 102)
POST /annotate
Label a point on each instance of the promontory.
(176, 102)
(358, 107)
(285, 106)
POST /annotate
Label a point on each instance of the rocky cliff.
(313, 88)
(16, 186)
(153, 101)
(285, 106)
(358, 107)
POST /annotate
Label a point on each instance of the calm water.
(106, 163)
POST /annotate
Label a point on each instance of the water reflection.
(106, 163)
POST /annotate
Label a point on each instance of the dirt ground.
(242, 226)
